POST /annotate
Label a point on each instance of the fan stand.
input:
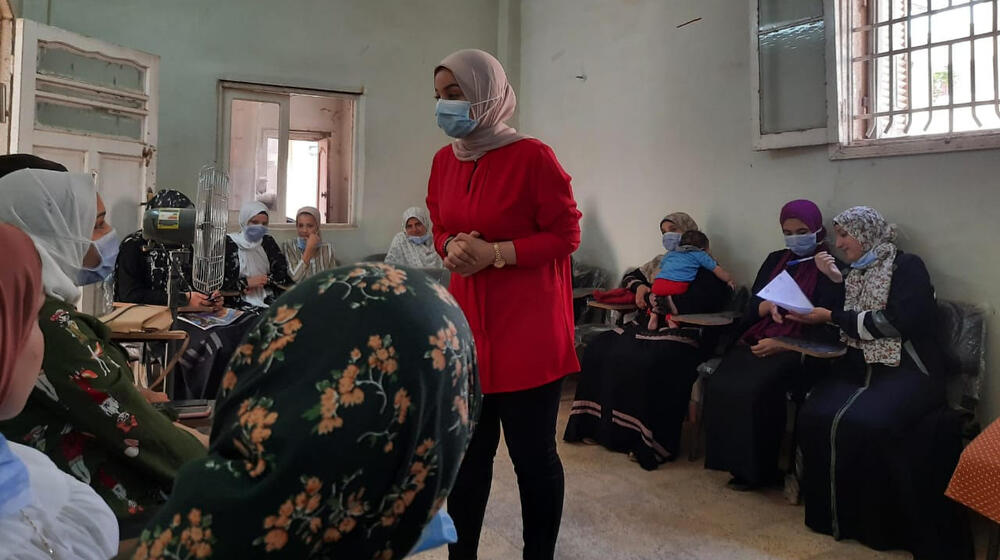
(175, 297)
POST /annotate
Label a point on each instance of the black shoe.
(740, 485)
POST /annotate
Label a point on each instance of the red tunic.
(521, 316)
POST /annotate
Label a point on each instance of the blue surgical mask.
(802, 245)
(15, 487)
(107, 248)
(671, 240)
(419, 240)
(254, 233)
(301, 243)
(866, 260)
(453, 117)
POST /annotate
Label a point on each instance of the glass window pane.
(89, 96)
(253, 153)
(303, 176)
(776, 12)
(71, 118)
(57, 60)
(793, 79)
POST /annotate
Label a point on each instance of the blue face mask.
(419, 240)
(107, 248)
(254, 233)
(866, 260)
(15, 487)
(671, 240)
(802, 245)
(301, 243)
(453, 117)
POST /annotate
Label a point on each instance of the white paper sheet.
(785, 293)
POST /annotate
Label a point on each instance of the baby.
(679, 267)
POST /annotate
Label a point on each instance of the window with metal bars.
(919, 75)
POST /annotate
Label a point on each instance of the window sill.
(911, 146)
(322, 227)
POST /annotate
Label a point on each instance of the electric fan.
(176, 229)
(210, 236)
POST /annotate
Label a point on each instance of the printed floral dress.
(89, 418)
(340, 428)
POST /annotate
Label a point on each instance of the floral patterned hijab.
(341, 425)
(867, 289)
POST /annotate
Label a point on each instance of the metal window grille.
(924, 68)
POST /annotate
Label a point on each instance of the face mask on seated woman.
(107, 247)
(802, 245)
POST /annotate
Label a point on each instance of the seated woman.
(870, 471)
(44, 512)
(635, 385)
(745, 402)
(141, 271)
(141, 277)
(335, 446)
(85, 412)
(255, 266)
(307, 254)
(414, 246)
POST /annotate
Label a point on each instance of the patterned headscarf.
(484, 83)
(10, 163)
(340, 429)
(867, 289)
(168, 198)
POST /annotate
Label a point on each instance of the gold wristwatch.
(498, 261)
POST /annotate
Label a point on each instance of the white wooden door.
(91, 106)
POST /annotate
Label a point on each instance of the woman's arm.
(706, 294)
(231, 280)
(300, 268)
(92, 381)
(557, 216)
(911, 307)
(395, 253)
(440, 233)
(278, 276)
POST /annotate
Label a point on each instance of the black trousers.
(529, 427)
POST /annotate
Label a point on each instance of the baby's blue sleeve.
(706, 261)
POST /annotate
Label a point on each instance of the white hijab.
(407, 253)
(253, 259)
(418, 213)
(57, 210)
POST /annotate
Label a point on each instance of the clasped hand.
(469, 254)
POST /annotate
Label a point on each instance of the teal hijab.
(340, 427)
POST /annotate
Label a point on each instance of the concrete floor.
(615, 510)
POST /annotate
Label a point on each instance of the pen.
(797, 261)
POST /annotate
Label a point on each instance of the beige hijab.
(684, 223)
(485, 85)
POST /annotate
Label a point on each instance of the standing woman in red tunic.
(505, 222)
